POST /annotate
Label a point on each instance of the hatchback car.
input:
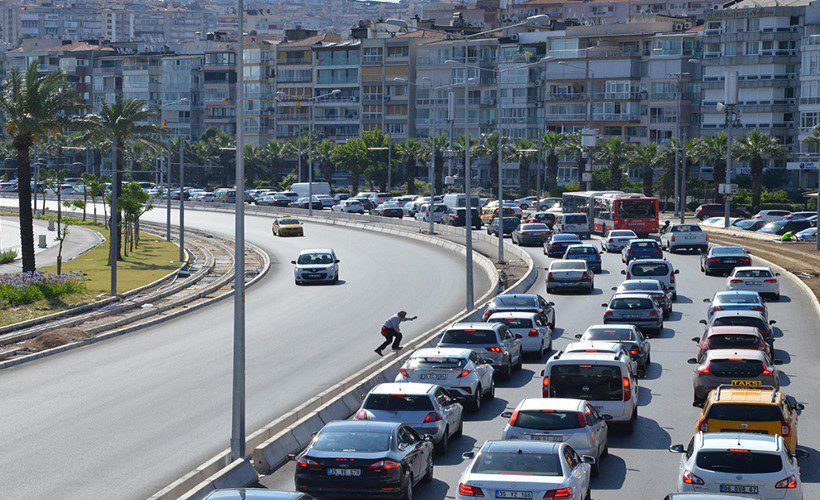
(755, 279)
(641, 249)
(525, 469)
(429, 409)
(510, 225)
(460, 371)
(731, 337)
(557, 245)
(615, 240)
(588, 253)
(636, 309)
(560, 420)
(490, 340)
(735, 367)
(457, 216)
(781, 227)
(531, 234)
(315, 266)
(536, 336)
(364, 458)
(287, 227)
(659, 291)
(570, 275)
(743, 318)
(735, 301)
(723, 259)
(738, 463)
(656, 269)
(523, 302)
(638, 347)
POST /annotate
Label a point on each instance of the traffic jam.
(744, 442)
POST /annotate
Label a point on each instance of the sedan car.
(303, 203)
(510, 225)
(350, 206)
(641, 249)
(429, 409)
(255, 494)
(531, 234)
(388, 209)
(716, 209)
(585, 252)
(781, 227)
(736, 367)
(493, 340)
(570, 275)
(723, 259)
(536, 336)
(636, 309)
(526, 469)
(743, 318)
(558, 244)
(615, 240)
(809, 234)
(364, 458)
(735, 301)
(457, 216)
(748, 224)
(658, 290)
(287, 227)
(316, 266)
(629, 336)
(731, 337)
(755, 279)
(547, 218)
(800, 215)
(523, 302)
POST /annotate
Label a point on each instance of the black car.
(366, 202)
(303, 203)
(457, 216)
(523, 302)
(749, 224)
(557, 245)
(722, 260)
(389, 209)
(781, 227)
(510, 225)
(362, 458)
(340, 197)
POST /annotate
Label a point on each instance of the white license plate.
(513, 494)
(344, 472)
(432, 376)
(730, 261)
(313, 276)
(752, 283)
(631, 316)
(547, 437)
(738, 488)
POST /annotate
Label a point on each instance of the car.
(638, 347)
(800, 215)
(315, 266)
(303, 203)
(641, 249)
(723, 259)
(326, 199)
(577, 223)
(572, 421)
(339, 197)
(428, 408)
(585, 252)
(522, 302)
(659, 291)
(388, 209)
(756, 319)
(461, 371)
(423, 214)
(366, 202)
(604, 375)
(720, 222)
(680, 236)
(489, 213)
(349, 206)
(403, 200)
(536, 336)
(287, 227)
(527, 202)
(558, 243)
(762, 410)
(525, 469)
(8, 187)
(411, 207)
(364, 458)
(491, 340)
(291, 195)
(203, 196)
(748, 224)
(545, 204)
(738, 462)
(615, 240)
(274, 200)
(734, 300)
(510, 225)
(809, 234)
(736, 367)
(570, 275)
(638, 309)
(731, 337)
(547, 218)
(531, 234)
(755, 279)
(781, 227)
(457, 216)
(656, 269)
(379, 198)
(717, 209)
(771, 215)
(255, 494)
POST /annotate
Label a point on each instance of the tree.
(439, 144)
(551, 144)
(135, 202)
(275, 153)
(217, 150)
(614, 153)
(353, 157)
(321, 156)
(712, 150)
(298, 146)
(487, 146)
(254, 159)
(757, 149)
(376, 171)
(410, 152)
(35, 108)
(645, 158)
(572, 146)
(665, 159)
(524, 151)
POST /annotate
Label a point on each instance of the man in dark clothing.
(391, 332)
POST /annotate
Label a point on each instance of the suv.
(491, 340)
(716, 210)
(764, 410)
(731, 337)
(536, 336)
(653, 269)
(605, 378)
(685, 236)
(523, 302)
(738, 368)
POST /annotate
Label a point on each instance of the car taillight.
(634, 351)
(788, 483)
(769, 281)
(628, 250)
(611, 240)
(549, 276)
(582, 419)
(715, 308)
(735, 282)
(785, 430)
(759, 309)
(545, 387)
(362, 415)
(653, 314)
(306, 463)
(404, 373)
(766, 370)
(744, 260)
(495, 349)
(628, 275)
(384, 465)
(585, 276)
(703, 425)
(514, 418)
(627, 389)
(469, 491)
(714, 260)
(559, 493)
(433, 416)
(704, 370)
(533, 333)
(690, 478)
(487, 314)
(607, 313)
(672, 238)
(758, 216)
(464, 373)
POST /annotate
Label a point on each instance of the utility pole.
(500, 160)
(168, 194)
(182, 199)
(728, 107)
(468, 216)
(115, 219)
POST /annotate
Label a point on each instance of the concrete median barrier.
(239, 473)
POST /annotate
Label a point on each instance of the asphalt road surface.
(640, 466)
(125, 417)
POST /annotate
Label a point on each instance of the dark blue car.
(641, 249)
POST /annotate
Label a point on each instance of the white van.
(459, 200)
(576, 223)
(302, 188)
(653, 269)
(603, 375)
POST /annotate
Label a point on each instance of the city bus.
(625, 211)
(581, 202)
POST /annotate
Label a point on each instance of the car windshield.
(575, 219)
(649, 269)
(315, 258)
(622, 234)
(513, 322)
(590, 382)
(739, 461)
(568, 266)
(644, 244)
(740, 321)
(640, 285)
(468, 337)
(436, 362)
(534, 227)
(745, 413)
(775, 225)
(686, 228)
(398, 402)
(515, 301)
(728, 252)
(548, 420)
(512, 463)
(608, 334)
(753, 273)
(288, 221)
(631, 303)
(637, 209)
(738, 298)
(733, 341)
(351, 441)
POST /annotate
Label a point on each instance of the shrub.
(24, 288)
(7, 256)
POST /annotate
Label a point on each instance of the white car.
(316, 266)
(423, 213)
(771, 215)
(654, 269)
(719, 221)
(684, 236)
(536, 336)
(755, 279)
(525, 469)
(326, 199)
(743, 463)
(560, 420)
(526, 203)
(615, 240)
(460, 371)
(350, 206)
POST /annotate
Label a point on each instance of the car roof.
(739, 395)
(632, 295)
(736, 353)
(566, 236)
(521, 446)
(551, 404)
(726, 293)
(739, 440)
(649, 261)
(446, 352)
(732, 330)
(583, 245)
(636, 240)
(581, 356)
(525, 295)
(316, 250)
(613, 326)
(513, 314)
(642, 281)
(361, 425)
(408, 388)
(573, 261)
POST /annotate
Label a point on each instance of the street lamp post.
(728, 108)
(184, 100)
(680, 150)
(182, 256)
(589, 77)
(114, 231)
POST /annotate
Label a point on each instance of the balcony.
(372, 59)
(336, 119)
(372, 97)
(578, 96)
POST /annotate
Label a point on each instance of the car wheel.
(428, 474)
(629, 427)
(776, 297)
(596, 469)
(520, 363)
(475, 403)
(524, 206)
(507, 374)
(460, 431)
(549, 290)
(407, 494)
(336, 279)
(674, 296)
(489, 395)
(588, 495)
(605, 453)
(441, 446)
(298, 282)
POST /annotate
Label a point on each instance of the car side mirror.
(468, 454)
(291, 456)
(293, 262)
(578, 335)
(777, 274)
(427, 437)
(588, 459)
(337, 261)
(692, 361)
(519, 336)
(677, 448)
(551, 303)
(702, 322)
(778, 362)
(542, 373)
(607, 416)
(772, 322)
(800, 406)
(697, 404)
(402, 446)
(507, 414)
(801, 454)
(604, 305)
(706, 301)
(696, 340)
(623, 272)
(677, 271)
(614, 288)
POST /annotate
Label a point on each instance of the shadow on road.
(613, 474)
(675, 316)
(648, 435)
(683, 299)
(785, 380)
(653, 371)
(519, 379)
(644, 396)
(810, 467)
(455, 449)
(435, 490)
(782, 355)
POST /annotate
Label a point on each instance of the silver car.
(427, 408)
(318, 265)
(637, 309)
(629, 336)
(570, 275)
(490, 340)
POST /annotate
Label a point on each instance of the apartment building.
(219, 73)
(802, 167)
(183, 85)
(336, 67)
(260, 94)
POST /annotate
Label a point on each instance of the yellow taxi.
(489, 214)
(287, 227)
(763, 410)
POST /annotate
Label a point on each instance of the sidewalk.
(79, 240)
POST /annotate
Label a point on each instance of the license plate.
(313, 276)
(738, 488)
(752, 283)
(547, 437)
(513, 494)
(432, 376)
(747, 383)
(631, 316)
(344, 472)
(730, 261)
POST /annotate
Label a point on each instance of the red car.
(716, 210)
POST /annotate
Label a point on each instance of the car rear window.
(575, 219)
(739, 298)
(568, 266)
(565, 238)
(740, 368)
(288, 221)
(314, 259)
(513, 322)
(653, 286)
(513, 301)
(649, 269)
(629, 303)
(744, 412)
(582, 251)
(644, 244)
(436, 362)
(622, 234)
(753, 273)
(688, 228)
(590, 382)
(607, 334)
(740, 321)
(728, 252)
(733, 341)
(352, 441)
(547, 420)
(469, 337)
(739, 462)
(511, 463)
(398, 402)
(534, 227)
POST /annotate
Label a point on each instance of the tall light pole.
(182, 255)
(184, 100)
(728, 108)
(115, 219)
(680, 169)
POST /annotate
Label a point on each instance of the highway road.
(639, 466)
(125, 417)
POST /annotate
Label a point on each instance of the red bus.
(625, 211)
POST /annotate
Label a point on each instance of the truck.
(303, 188)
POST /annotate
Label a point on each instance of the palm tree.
(572, 146)
(254, 158)
(35, 108)
(321, 156)
(645, 158)
(757, 148)
(551, 144)
(712, 150)
(525, 151)
(410, 152)
(298, 147)
(439, 144)
(614, 153)
(377, 143)
(487, 145)
(275, 152)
